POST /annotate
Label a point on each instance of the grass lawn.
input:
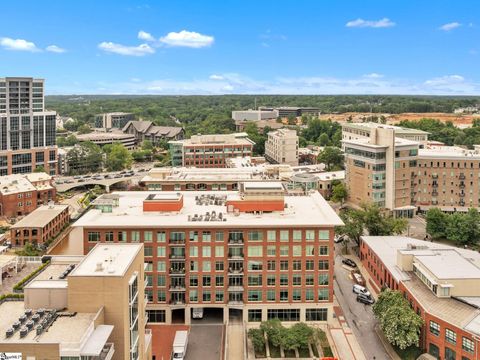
(410, 353)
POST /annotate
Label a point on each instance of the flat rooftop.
(115, 260)
(448, 264)
(40, 176)
(386, 248)
(371, 125)
(40, 217)
(308, 210)
(448, 152)
(65, 329)
(216, 139)
(12, 184)
(104, 136)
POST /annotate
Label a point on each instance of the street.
(358, 316)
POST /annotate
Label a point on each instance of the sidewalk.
(345, 344)
(235, 341)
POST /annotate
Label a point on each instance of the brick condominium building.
(441, 284)
(406, 176)
(210, 150)
(255, 251)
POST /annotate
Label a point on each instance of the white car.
(358, 289)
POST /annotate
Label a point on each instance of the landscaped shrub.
(258, 340)
(19, 286)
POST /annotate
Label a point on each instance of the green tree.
(436, 223)
(259, 139)
(258, 339)
(118, 157)
(147, 145)
(84, 158)
(339, 193)
(84, 129)
(332, 157)
(39, 169)
(353, 228)
(300, 335)
(274, 330)
(324, 139)
(398, 321)
(379, 223)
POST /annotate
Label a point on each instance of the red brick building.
(255, 252)
(40, 226)
(440, 282)
(21, 194)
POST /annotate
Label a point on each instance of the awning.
(96, 341)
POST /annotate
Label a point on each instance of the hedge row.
(26, 279)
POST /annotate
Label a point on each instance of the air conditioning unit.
(9, 332)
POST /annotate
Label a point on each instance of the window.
(161, 296)
(254, 280)
(193, 251)
(323, 250)
(254, 295)
(309, 235)
(309, 295)
(322, 294)
(297, 235)
(255, 235)
(316, 314)
(148, 280)
(93, 236)
(271, 250)
(434, 351)
(149, 266)
(219, 266)
(297, 295)
(206, 266)
(297, 265)
(219, 236)
(284, 235)
(271, 265)
(148, 251)
(147, 236)
(255, 265)
(207, 295)
(297, 279)
(283, 295)
(254, 315)
(309, 265)
(271, 235)
(271, 295)
(283, 279)
(284, 250)
(309, 280)
(283, 314)
(156, 316)
(219, 295)
(297, 250)
(450, 336)
(122, 236)
(255, 251)
(161, 251)
(309, 250)
(323, 265)
(219, 251)
(270, 280)
(450, 354)
(283, 265)
(434, 328)
(468, 345)
(206, 251)
(109, 236)
(193, 280)
(135, 236)
(323, 235)
(323, 279)
(206, 236)
(193, 295)
(206, 280)
(161, 267)
(219, 280)
(193, 265)
(161, 237)
(193, 235)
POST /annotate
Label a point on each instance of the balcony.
(177, 241)
(235, 288)
(434, 193)
(177, 256)
(435, 185)
(178, 272)
(177, 302)
(234, 242)
(434, 176)
(232, 271)
(235, 256)
(235, 302)
(461, 194)
(461, 186)
(177, 288)
(107, 352)
(461, 176)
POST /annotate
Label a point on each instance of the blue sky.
(244, 46)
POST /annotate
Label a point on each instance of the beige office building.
(281, 147)
(92, 309)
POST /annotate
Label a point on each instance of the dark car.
(349, 262)
(364, 299)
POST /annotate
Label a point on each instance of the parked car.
(69, 181)
(81, 180)
(358, 278)
(359, 289)
(367, 300)
(349, 262)
(180, 343)
(77, 177)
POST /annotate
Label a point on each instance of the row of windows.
(255, 315)
(206, 236)
(451, 337)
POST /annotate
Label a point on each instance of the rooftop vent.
(9, 332)
(23, 332)
(99, 267)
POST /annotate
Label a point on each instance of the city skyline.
(235, 47)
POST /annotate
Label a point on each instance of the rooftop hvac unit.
(39, 329)
(9, 332)
(22, 318)
(41, 311)
(23, 332)
(28, 312)
(35, 318)
(29, 324)
(16, 325)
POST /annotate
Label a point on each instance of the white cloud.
(373, 76)
(140, 50)
(382, 23)
(143, 35)
(18, 45)
(55, 49)
(186, 38)
(450, 26)
(216, 77)
(445, 80)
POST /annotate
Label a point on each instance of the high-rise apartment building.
(27, 131)
(255, 251)
(281, 147)
(406, 176)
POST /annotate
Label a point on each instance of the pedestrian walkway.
(344, 341)
(235, 338)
